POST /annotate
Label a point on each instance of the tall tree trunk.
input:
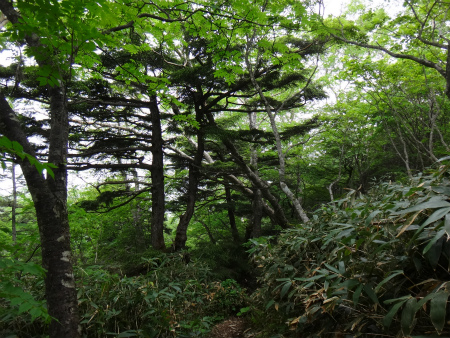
(260, 184)
(281, 156)
(194, 177)
(257, 199)
(50, 201)
(257, 207)
(14, 204)
(157, 174)
(49, 195)
(231, 216)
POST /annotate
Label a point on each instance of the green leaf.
(285, 289)
(434, 253)
(438, 214)
(409, 312)
(24, 307)
(371, 216)
(177, 288)
(438, 306)
(369, 292)
(447, 224)
(332, 268)
(388, 278)
(422, 206)
(387, 320)
(357, 294)
(127, 334)
(270, 303)
(395, 300)
(425, 299)
(439, 234)
(441, 190)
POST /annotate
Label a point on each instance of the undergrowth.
(171, 300)
(374, 264)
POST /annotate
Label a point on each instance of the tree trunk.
(50, 201)
(194, 177)
(257, 207)
(49, 195)
(208, 231)
(231, 216)
(157, 174)
(257, 199)
(14, 204)
(281, 156)
(278, 214)
(260, 184)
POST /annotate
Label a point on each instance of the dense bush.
(23, 310)
(367, 264)
(172, 299)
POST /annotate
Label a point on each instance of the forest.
(226, 169)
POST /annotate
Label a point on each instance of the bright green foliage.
(373, 264)
(21, 297)
(115, 238)
(16, 149)
(369, 262)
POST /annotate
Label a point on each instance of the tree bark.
(231, 216)
(277, 214)
(49, 197)
(14, 204)
(194, 177)
(257, 207)
(157, 174)
(257, 199)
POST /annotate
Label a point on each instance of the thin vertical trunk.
(281, 156)
(157, 174)
(330, 187)
(194, 178)
(137, 218)
(257, 207)
(447, 72)
(14, 204)
(208, 231)
(256, 218)
(231, 216)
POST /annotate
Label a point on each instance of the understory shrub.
(173, 299)
(366, 264)
(23, 310)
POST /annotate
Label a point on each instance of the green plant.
(22, 307)
(378, 260)
(171, 298)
